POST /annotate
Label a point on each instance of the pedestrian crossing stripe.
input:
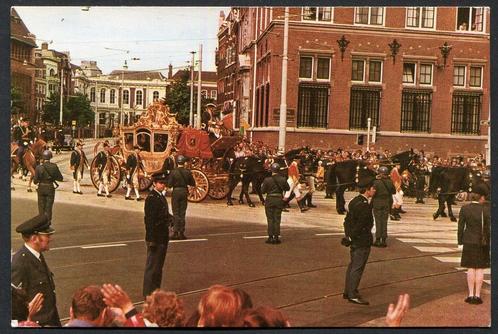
(450, 259)
(435, 249)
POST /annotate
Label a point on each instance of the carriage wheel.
(218, 189)
(115, 175)
(144, 182)
(201, 189)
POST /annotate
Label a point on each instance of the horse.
(30, 158)
(346, 174)
(447, 182)
(248, 170)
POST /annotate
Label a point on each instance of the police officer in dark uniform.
(157, 220)
(274, 186)
(30, 272)
(46, 176)
(179, 179)
(382, 202)
(358, 229)
(24, 135)
(419, 171)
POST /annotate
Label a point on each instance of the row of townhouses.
(420, 74)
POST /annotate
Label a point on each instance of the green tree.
(78, 109)
(16, 102)
(178, 99)
(51, 110)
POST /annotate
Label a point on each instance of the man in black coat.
(78, 163)
(179, 179)
(358, 229)
(382, 202)
(274, 186)
(30, 272)
(133, 165)
(46, 176)
(157, 220)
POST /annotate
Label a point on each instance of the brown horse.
(30, 158)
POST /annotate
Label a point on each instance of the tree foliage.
(16, 102)
(178, 98)
(76, 108)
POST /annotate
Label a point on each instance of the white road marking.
(188, 240)
(414, 240)
(334, 233)
(435, 249)
(257, 237)
(451, 259)
(487, 281)
(104, 246)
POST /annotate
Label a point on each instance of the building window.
(416, 110)
(459, 76)
(92, 93)
(102, 118)
(322, 14)
(466, 113)
(213, 94)
(364, 104)
(313, 106)
(112, 96)
(374, 71)
(425, 76)
(155, 95)
(126, 97)
(306, 67)
(409, 73)
(470, 19)
(420, 17)
(358, 70)
(475, 76)
(102, 95)
(369, 15)
(138, 97)
(204, 93)
(323, 69)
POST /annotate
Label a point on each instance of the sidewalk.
(458, 314)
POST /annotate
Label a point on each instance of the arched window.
(138, 97)
(92, 94)
(102, 95)
(126, 97)
(112, 97)
(52, 72)
(155, 95)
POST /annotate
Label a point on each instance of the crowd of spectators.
(220, 306)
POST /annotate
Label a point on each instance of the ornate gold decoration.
(158, 116)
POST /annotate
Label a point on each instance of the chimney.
(44, 46)
(170, 71)
(221, 18)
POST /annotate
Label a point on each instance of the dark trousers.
(179, 207)
(156, 254)
(381, 215)
(273, 211)
(340, 202)
(46, 195)
(419, 188)
(359, 258)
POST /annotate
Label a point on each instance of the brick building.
(22, 66)
(421, 74)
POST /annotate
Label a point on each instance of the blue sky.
(157, 35)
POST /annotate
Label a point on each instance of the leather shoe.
(304, 209)
(269, 240)
(100, 195)
(358, 301)
(128, 198)
(311, 205)
(476, 300)
(182, 237)
(276, 240)
(469, 299)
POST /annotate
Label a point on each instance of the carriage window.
(160, 142)
(143, 140)
(128, 137)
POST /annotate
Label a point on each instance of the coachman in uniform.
(157, 220)
(133, 165)
(170, 162)
(46, 176)
(179, 179)
(30, 271)
(274, 186)
(358, 229)
(103, 163)
(78, 163)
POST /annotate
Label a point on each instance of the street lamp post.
(191, 118)
(283, 94)
(199, 87)
(61, 93)
(125, 67)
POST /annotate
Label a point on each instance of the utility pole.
(61, 92)
(96, 110)
(199, 86)
(192, 63)
(369, 123)
(283, 95)
(125, 66)
(253, 114)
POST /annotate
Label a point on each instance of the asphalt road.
(303, 276)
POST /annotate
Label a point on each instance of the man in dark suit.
(179, 179)
(30, 272)
(77, 164)
(358, 229)
(382, 202)
(157, 220)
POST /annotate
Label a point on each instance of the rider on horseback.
(24, 135)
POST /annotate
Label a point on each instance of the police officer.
(157, 220)
(179, 179)
(274, 186)
(382, 202)
(23, 135)
(30, 272)
(133, 164)
(46, 176)
(78, 163)
(358, 229)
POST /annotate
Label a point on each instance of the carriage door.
(160, 142)
(144, 139)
